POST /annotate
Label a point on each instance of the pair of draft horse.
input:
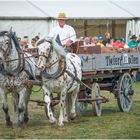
(61, 73)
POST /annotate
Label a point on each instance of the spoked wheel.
(125, 92)
(81, 106)
(97, 105)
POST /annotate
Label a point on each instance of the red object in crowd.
(118, 44)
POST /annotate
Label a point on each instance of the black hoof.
(9, 124)
(26, 120)
(20, 126)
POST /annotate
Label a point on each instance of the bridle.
(50, 50)
(6, 52)
(5, 43)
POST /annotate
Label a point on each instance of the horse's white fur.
(63, 84)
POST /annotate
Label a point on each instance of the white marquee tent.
(30, 17)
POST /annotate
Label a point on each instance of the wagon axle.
(102, 99)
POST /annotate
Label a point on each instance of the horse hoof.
(61, 125)
(66, 120)
(19, 129)
(53, 121)
(20, 125)
(9, 124)
(26, 120)
(73, 116)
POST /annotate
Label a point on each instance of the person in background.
(100, 39)
(64, 34)
(87, 41)
(138, 42)
(94, 41)
(107, 41)
(118, 43)
(33, 43)
(32, 47)
(133, 43)
(36, 38)
(26, 41)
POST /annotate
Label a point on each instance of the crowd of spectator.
(107, 41)
(111, 42)
(28, 45)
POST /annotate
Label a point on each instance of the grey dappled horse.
(61, 73)
(15, 68)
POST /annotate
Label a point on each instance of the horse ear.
(10, 30)
(58, 41)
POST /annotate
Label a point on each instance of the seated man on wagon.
(66, 32)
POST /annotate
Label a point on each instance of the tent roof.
(75, 9)
(19, 9)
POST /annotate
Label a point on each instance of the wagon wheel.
(125, 92)
(95, 94)
(81, 106)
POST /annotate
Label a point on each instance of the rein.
(52, 64)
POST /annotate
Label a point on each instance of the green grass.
(113, 124)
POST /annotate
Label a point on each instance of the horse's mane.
(3, 32)
(59, 49)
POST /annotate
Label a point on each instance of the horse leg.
(22, 107)
(16, 100)
(48, 102)
(5, 109)
(66, 109)
(62, 108)
(26, 118)
(73, 98)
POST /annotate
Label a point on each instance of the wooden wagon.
(108, 69)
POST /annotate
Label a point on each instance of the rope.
(86, 85)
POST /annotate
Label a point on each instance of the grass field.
(113, 124)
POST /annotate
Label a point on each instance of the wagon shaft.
(43, 103)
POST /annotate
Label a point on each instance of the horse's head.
(4, 46)
(47, 48)
(9, 51)
(44, 52)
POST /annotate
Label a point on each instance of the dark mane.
(3, 33)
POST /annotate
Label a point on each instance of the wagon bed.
(109, 69)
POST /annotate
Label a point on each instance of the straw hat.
(62, 15)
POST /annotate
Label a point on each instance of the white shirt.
(66, 33)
